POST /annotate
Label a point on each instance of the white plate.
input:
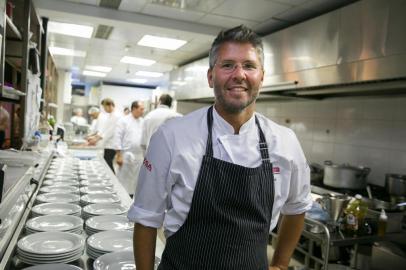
(59, 189)
(66, 260)
(58, 197)
(99, 209)
(54, 223)
(59, 266)
(109, 223)
(51, 243)
(110, 241)
(121, 260)
(96, 190)
(60, 183)
(100, 198)
(56, 209)
(101, 183)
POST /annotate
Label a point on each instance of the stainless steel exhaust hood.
(357, 50)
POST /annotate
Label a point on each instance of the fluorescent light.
(149, 74)
(137, 80)
(99, 68)
(69, 29)
(68, 52)
(161, 42)
(137, 61)
(94, 73)
(180, 83)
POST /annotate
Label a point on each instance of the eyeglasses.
(231, 66)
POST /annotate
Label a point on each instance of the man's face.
(236, 76)
(108, 107)
(138, 112)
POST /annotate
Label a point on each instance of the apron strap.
(209, 144)
(263, 146)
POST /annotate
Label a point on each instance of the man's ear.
(210, 77)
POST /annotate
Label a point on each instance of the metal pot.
(395, 184)
(345, 176)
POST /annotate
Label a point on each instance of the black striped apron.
(228, 223)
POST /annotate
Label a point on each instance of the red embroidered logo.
(276, 170)
(147, 164)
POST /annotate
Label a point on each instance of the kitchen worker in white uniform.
(219, 178)
(157, 117)
(105, 126)
(127, 142)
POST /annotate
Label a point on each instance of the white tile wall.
(361, 131)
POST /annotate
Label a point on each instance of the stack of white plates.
(96, 190)
(58, 197)
(101, 183)
(54, 266)
(100, 209)
(59, 189)
(118, 261)
(54, 177)
(60, 183)
(99, 198)
(50, 247)
(107, 223)
(54, 223)
(108, 241)
(44, 209)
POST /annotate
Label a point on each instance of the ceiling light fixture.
(67, 52)
(137, 61)
(69, 29)
(137, 80)
(99, 68)
(149, 74)
(94, 73)
(161, 42)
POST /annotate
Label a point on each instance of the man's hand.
(119, 159)
(274, 268)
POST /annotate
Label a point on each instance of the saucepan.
(395, 184)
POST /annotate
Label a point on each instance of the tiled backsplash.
(360, 131)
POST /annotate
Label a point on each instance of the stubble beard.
(233, 107)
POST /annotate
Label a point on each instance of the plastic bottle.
(354, 214)
(383, 220)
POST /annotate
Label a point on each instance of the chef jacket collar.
(224, 128)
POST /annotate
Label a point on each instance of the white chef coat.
(171, 166)
(78, 120)
(127, 138)
(105, 125)
(153, 120)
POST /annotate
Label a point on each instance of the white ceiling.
(196, 21)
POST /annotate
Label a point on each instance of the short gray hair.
(93, 110)
(239, 34)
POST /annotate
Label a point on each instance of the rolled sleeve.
(150, 200)
(145, 217)
(299, 198)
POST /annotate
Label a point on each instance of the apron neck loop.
(263, 146)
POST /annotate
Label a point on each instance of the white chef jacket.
(127, 138)
(127, 135)
(105, 125)
(171, 166)
(153, 120)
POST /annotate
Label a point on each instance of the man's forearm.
(144, 246)
(289, 233)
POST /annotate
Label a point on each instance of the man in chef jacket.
(219, 178)
(104, 131)
(157, 117)
(127, 143)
